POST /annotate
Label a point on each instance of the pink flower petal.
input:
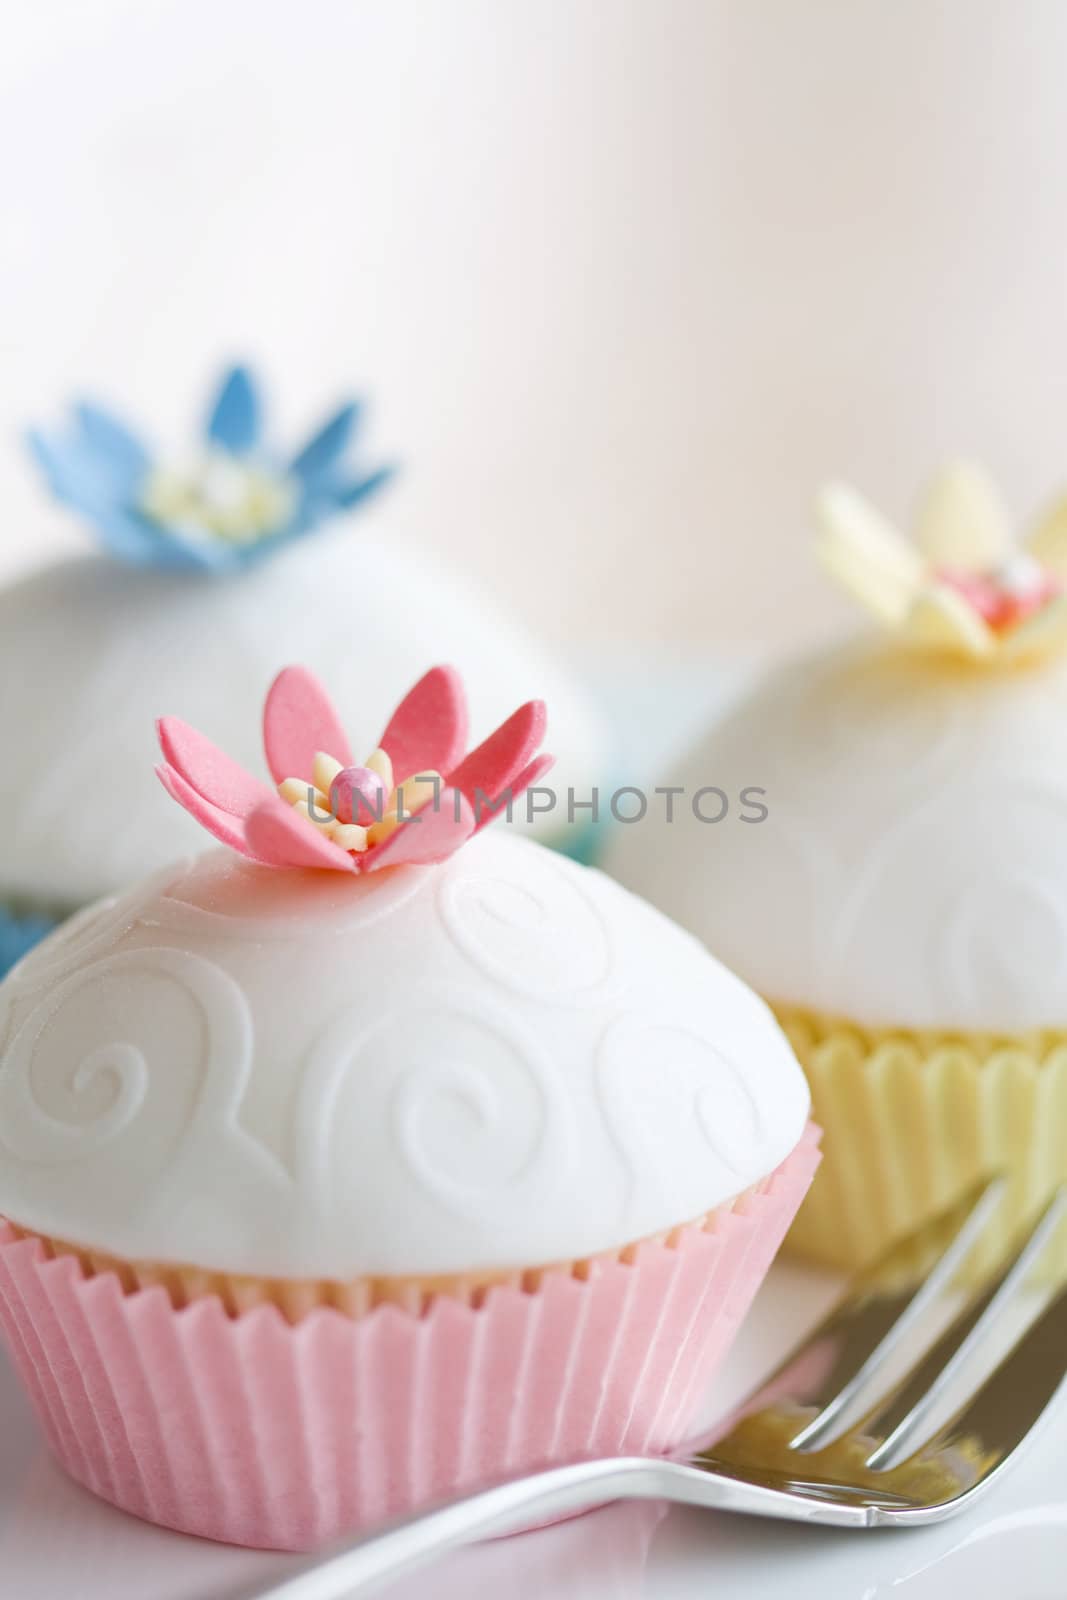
(209, 770)
(227, 829)
(281, 837)
(431, 835)
(526, 778)
(428, 729)
(298, 722)
(499, 760)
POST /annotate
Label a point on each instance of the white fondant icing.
(504, 1060)
(912, 870)
(91, 653)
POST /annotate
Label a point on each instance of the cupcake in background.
(377, 1155)
(902, 901)
(207, 575)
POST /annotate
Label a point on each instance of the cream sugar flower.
(965, 588)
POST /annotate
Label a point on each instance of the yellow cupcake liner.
(913, 1119)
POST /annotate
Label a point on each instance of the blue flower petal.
(351, 493)
(234, 420)
(99, 466)
(76, 472)
(136, 541)
(324, 499)
(86, 481)
(179, 552)
(112, 440)
(47, 456)
(325, 448)
(209, 555)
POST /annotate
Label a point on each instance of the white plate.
(58, 1543)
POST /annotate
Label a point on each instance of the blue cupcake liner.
(20, 930)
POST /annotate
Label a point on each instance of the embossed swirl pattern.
(480, 1120)
(645, 1061)
(974, 936)
(542, 935)
(68, 1089)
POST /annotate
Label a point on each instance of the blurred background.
(624, 279)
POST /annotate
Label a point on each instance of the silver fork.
(814, 1444)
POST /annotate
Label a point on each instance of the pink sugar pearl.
(357, 795)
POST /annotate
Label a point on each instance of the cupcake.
(207, 577)
(899, 891)
(377, 1155)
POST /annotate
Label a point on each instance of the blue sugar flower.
(233, 505)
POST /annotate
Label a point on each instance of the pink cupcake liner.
(261, 1432)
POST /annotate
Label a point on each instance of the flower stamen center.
(222, 496)
(358, 807)
(1006, 594)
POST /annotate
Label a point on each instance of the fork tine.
(992, 1424)
(870, 1323)
(910, 1406)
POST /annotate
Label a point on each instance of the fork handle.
(358, 1567)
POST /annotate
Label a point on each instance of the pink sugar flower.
(416, 799)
